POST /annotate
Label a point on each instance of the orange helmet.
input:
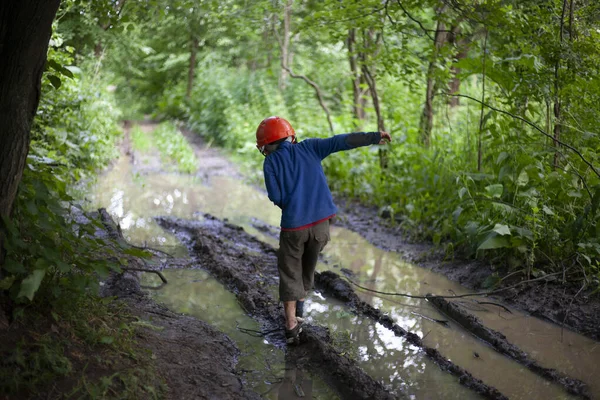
(271, 130)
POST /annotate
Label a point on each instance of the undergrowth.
(63, 339)
(73, 349)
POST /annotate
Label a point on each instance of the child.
(296, 183)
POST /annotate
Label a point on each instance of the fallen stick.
(162, 277)
(439, 321)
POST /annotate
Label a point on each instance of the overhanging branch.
(317, 92)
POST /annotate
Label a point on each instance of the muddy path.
(183, 348)
(503, 346)
(565, 305)
(194, 359)
(403, 367)
(249, 267)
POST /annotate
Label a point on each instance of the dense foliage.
(62, 334)
(492, 106)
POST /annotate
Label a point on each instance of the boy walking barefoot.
(296, 183)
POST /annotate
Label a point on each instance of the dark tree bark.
(194, 43)
(462, 48)
(441, 37)
(25, 28)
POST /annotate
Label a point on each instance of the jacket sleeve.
(348, 141)
(272, 184)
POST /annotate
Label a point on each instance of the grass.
(140, 140)
(73, 349)
(174, 148)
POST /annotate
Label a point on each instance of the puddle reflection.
(400, 366)
(196, 293)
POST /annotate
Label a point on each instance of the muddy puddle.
(134, 198)
(194, 292)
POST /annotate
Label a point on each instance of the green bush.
(74, 135)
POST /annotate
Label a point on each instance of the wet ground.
(135, 193)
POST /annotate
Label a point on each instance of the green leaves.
(55, 81)
(495, 190)
(31, 284)
(493, 241)
(523, 178)
(502, 229)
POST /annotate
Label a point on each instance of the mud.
(499, 342)
(194, 359)
(333, 285)
(248, 266)
(559, 303)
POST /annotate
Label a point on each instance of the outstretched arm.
(324, 147)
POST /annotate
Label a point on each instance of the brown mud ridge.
(183, 348)
(565, 305)
(249, 266)
(499, 342)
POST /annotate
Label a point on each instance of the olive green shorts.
(297, 259)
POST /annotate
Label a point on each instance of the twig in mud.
(151, 249)
(423, 338)
(491, 303)
(255, 332)
(439, 321)
(469, 305)
(487, 293)
(162, 277)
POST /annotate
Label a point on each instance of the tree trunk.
(192, 67)
(358, 103)
(462, 46)
(426, 124)
(25, 28)
(557, 99)
(285, 43)
(383, 156)
(481, 115)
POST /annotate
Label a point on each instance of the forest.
(492, 179)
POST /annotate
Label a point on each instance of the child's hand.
(385, 138)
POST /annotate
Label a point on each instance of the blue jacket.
(295, 179)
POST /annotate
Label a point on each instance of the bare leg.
(289, 307)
